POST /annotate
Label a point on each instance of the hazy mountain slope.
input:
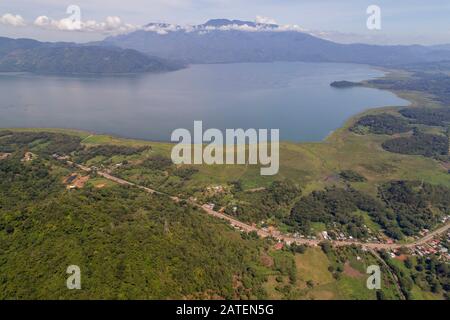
(222, 40)
(24, 55)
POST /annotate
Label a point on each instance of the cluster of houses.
(435, 247)
(272, 231)
(301, 236)
(211, 190)
(340, 236)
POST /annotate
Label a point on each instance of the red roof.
(279, 246)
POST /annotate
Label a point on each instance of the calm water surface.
(293, 97)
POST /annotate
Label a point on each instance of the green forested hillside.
(128, 244)
(24, 55)
(381, 124)
(132, 245)
(428, 145)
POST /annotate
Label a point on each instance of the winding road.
(265, 234)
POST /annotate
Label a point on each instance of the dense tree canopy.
(381, 124)
(428, 145)
(428, 116)
(127, 243)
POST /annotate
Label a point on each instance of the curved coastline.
(346, 124)
(297, 99)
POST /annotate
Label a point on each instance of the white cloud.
(261, 25)
(243, 27)
(112, 25)
(291, 27)
(63, 24)
(42, 21)
(264, 20)
(12, 20)
(163, 28)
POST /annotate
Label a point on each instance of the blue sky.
(403, 21)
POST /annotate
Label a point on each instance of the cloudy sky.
(402, 21)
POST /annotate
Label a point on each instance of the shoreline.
(82, 132)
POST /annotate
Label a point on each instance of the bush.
(352, 176)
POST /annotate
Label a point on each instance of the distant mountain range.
(227, 41)
(25, 55)
(160, 47)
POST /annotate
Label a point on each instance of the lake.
(293, 97)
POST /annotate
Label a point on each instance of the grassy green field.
(311, 165)
(316, 277)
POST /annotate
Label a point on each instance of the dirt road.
(264, 234)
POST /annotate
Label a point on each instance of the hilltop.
(228, 41)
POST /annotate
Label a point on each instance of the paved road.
(430, 236)
(264, 234)
(287, 239)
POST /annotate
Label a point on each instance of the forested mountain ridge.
(25, 55)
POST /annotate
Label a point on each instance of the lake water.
(293, 97)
